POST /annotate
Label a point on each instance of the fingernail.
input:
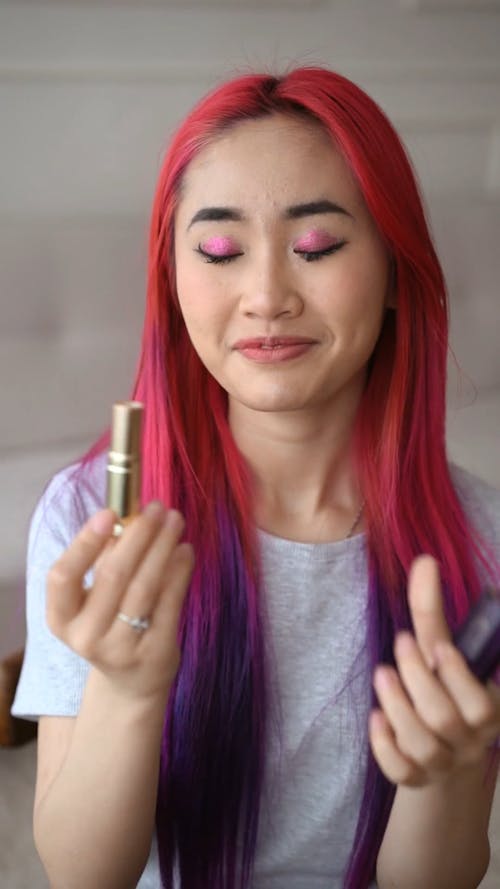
(384, 678)
(155, 509)
(102, 522)
(405, 644)
(173, 519)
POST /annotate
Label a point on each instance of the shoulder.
(480, 501)
(72, 495)
(53, 676)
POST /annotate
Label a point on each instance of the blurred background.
(90, 93)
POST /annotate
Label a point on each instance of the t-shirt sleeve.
(53, 677)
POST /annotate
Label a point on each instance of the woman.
(293, 375)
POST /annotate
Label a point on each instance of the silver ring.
(137, 623)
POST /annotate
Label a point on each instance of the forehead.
(278, 158)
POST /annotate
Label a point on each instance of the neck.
(302, 465)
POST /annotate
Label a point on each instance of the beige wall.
(89, 93)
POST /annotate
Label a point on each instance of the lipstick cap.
(124, 466)
(126, 428)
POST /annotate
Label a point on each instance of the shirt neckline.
(321, 551)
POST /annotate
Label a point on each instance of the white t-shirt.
(316, 597)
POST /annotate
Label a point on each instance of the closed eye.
(307, 255)
(312, 255)
(216, 258)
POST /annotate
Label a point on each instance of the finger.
(65, 592)
(168, 610)
(436, 707)
(115, 571)
(479, 705)
(148, 581)
(395, 765)
(162, 636)
(414, 739)
(426, 605)
(110, 544)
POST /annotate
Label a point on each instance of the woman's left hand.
(431, 723)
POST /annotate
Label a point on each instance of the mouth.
(273, 350)
(272, 342)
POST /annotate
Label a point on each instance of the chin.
(267, 402)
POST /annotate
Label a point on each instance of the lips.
(272, 342)
(274, 351)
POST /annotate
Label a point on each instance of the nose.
(269, 290)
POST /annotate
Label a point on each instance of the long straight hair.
(213, 748)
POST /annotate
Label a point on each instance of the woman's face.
(273, 239)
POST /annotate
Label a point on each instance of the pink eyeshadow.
(315, 240)
(220, 246)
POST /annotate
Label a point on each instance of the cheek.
(199, 286)
(360, 290)
(188, 284)
(353, 304)
(194, 300)
(202, 307)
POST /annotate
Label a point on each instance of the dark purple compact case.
(479, 637)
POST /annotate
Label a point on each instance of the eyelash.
(311, 256)
(308, 256)
(216, 260)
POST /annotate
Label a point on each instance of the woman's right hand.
(144, 573)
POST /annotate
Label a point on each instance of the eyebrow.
(315, 207)
(296, 211)
(215, 214)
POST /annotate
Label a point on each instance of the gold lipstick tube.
(123, 471)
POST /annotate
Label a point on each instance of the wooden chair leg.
(13, 731)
